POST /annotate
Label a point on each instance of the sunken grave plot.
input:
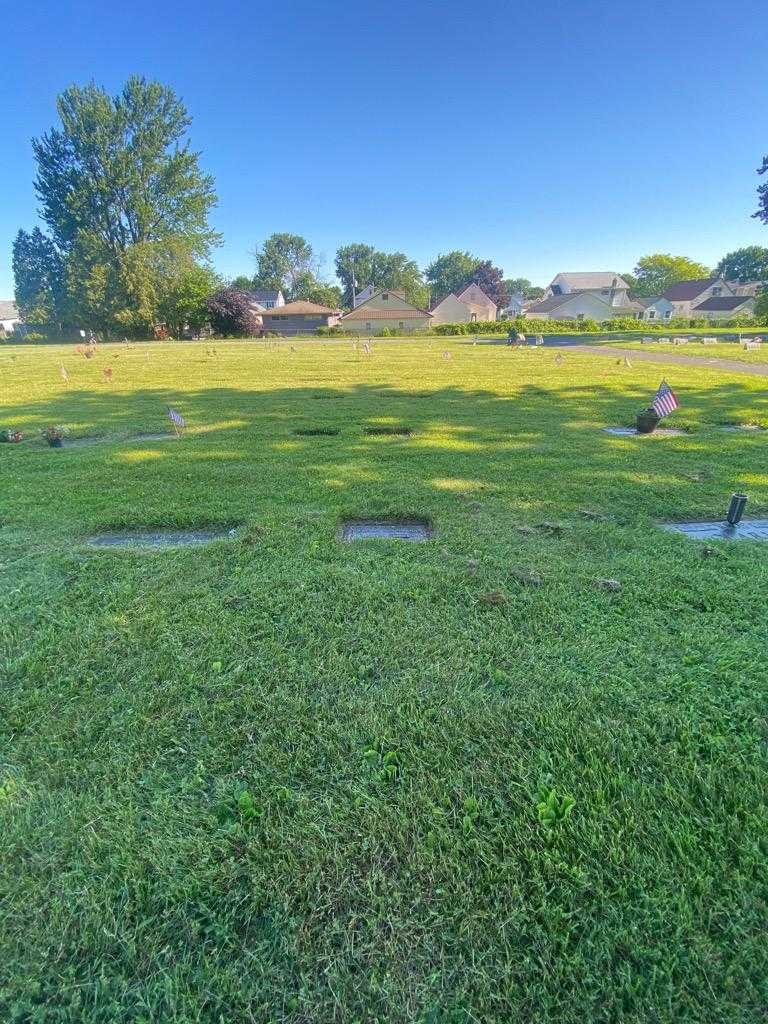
(384, 528)
(159, 538)
(388, 431)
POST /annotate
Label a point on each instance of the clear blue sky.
(546, 137)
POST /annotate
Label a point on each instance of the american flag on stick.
(665, 401)
(176, 419)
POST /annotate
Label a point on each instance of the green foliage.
(283, 261)
(449, 329)
(761, 306)
(123, 195)
(309, 288)
(38, 273)
(552, 808)
(762, 195)
(748, 264)
(450, 272)
(366, 265)
(334, 332)
(655, 273)
(243, 282)
(143, 695)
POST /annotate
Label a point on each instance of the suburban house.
(725, 307)
(746, 287)
(656, 308)
(514, 308)
(597, 295)
(298, 317)
(9, 316)
(607, 285)
(474, 295)
(685, 295)
(267, 298)
(363, 296)
(469, 306)
(386, 309)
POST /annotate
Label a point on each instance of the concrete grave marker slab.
(632, 432)
(747, 529)
(417, 530)
(737, 427)
(316, 432)
(158, 538)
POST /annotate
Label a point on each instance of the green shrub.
(333, 332)
(443, 329)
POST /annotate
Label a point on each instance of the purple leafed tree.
(490, 279)
(232, 312)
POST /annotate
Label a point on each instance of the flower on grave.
(54, 433)
(10, 435)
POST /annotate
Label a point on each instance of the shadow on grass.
(534, 452)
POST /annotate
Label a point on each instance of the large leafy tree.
(282, 260)
(308, 287)
(522, 286)
(38, 273)
(657, 272)
(363, 265)
(232, 312)
(748, 264)
(450, 272)
(120, 189)
(491, 281)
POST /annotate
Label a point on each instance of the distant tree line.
(127, 242)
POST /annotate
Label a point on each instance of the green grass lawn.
(722, 350)
(284, 779)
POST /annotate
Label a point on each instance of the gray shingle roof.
(593, 279)
(723, 302)
(684, 290)
(265, 294)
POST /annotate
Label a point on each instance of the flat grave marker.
(749, 529)
(417, 530)
(633, 432)
(160, 538)
(388, 431)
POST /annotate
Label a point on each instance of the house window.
(400, 324)
(474, 318)
(367, 325)
(668, 314)
(717, 291)
(385, 295)
(651, 314)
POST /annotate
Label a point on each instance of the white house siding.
(475, 296)
(583, 305)
(452, 311)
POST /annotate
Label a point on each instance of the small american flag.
(176, 418)
(665, 401)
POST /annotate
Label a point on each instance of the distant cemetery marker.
(417, 530)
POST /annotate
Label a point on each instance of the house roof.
(265, 294)
(8, 310)
(362, 313)
(592, 279)
(554, 301)
(723, 302)
(683, 290)
(473, 284)
(299, 307)
(648, 300)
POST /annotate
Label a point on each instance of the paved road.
(709, 363)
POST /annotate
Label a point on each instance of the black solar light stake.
(736, 509)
